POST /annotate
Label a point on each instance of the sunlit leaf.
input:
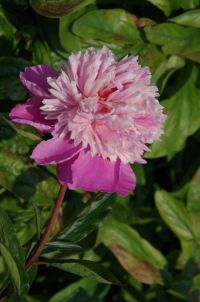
(189, 18)
(174, 214)
(176, 39)
(134, 253)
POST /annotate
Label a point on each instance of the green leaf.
(189, 18)
(4, 275)
(151, 56)
(41, 53)
(134, 253)
(174, 214)
(18, 175)
(6, 28)
(82, 291)
(176, 39)
(165, 70)
(55, 8)
(193, 196)
(93, 27)
(68, 40)
(182, 110)
(187, 4)
(89, 220)
(86, 269)
(7, 31)
(48, 31)
(23, 130)
(164, 5)
(12, 254)
(168, 6)
(62, 246)
(12, 268)
(10, 86)
(121, 27)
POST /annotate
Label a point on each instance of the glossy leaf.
(86, 269)
(90, 25)
(62, 246)
(93, 26)
(88, 221)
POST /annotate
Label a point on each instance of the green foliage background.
(145, 247)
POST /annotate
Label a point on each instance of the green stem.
(47, 233)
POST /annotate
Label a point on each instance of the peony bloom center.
(107, 106)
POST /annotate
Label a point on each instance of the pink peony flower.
(101, 115)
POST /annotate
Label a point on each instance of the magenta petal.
(29, 114)
(55, 150)
(35, 79)
(96, 174)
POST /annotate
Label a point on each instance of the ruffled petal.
(29, 114)
(55, 150)
(96, 174)
(88, 68)
(35, 79)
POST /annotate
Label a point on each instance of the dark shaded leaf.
(10, 86)
(55, 8)
(62, 246)
(165, 70)
(12, 254)
(182, 110)
(86, 269)
(193, 196)
(89, 220)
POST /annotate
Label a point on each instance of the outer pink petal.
(29, 113)
(96, 174)
(35, 79)
(55, 150)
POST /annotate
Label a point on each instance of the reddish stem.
(47, 233)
